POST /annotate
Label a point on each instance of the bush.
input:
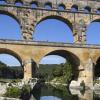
(13, 92)
(57, 72)
(25, 92)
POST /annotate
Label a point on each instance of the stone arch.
(92, 39)
(58, 18)
(11, 52)
(11, 15)
(35, 3)
(61, 5)
(72, 58)
(96, 20)
(74, 7)
(48, 4)
(98, 9)
(88, 8)
(5, 1)
(19, 1)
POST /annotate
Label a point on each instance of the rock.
(74, 84)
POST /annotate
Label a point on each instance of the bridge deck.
(46, 43)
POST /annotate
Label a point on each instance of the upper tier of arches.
(83, 6)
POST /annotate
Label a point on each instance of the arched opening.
(10, 65)
(54, 69)
(9, 27)
(48, 5)
(59, 64)
(18, 3)
(34, 4)
(74, 8)
(2, 1)
(61, 7)
(98, 11)
(93, 32)
(54, 29)
(87, 9)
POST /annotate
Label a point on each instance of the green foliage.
(67, 72)
(62, 73)
(26, 89)
(57, 72)
(11, 72)
(25, 92)
(13, 92)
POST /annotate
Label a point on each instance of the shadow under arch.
(10, 15)
(66, 21)
(96, 20)
(10, 52)
(97, 68)
(72, 58)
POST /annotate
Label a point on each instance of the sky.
(51, 30)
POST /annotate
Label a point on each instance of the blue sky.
(49, 30)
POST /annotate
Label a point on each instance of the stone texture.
(28, 18)
(79, 56)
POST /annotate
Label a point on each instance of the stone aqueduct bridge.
(29, 17)
(82, 57)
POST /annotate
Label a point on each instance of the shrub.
(13, 92)
(25, 92)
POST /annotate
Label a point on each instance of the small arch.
(74, 8)
(98, 11)
(58, 18)
(18, 3)
(34, 4)
(87, 9)
(61, 7)
(48, 5)
(2, 1)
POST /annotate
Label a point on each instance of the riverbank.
(53, 83)
(6, 98)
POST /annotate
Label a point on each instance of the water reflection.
(87, 95)
(49, 98)
(47, 92)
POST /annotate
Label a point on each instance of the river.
(47, 92)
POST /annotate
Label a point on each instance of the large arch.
(10, 52)
(11, 15)
(66, 21)
(93, 32)
(10, 26)
(72, 58)
(12, 67)
(61, 29)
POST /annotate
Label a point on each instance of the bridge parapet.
(55, 3)
(52, 44)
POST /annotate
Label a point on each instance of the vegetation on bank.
(15, 92)
(56, 73)
(10, 72)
